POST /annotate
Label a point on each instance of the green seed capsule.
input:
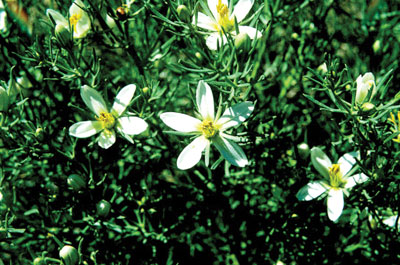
(76, 182)
(103, 208)
(69, 255)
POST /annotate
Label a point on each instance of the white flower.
(222, 20)
(107, 121)
(336, 181)
(79, 20)
(3, 18)
(392, 221)
(209, 129)
(364, 84)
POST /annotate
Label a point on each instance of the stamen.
(223, 18)
(336, 177)
(208, 129)
(73, 20)
(107, 120)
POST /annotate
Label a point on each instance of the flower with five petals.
(209, 129)
(222, 20)
(336, 181)
(107, 121)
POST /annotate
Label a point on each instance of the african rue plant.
(294, 105)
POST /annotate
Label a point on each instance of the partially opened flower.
(365, 83)
(209, 129)
(222, 20)
(79, 20)
(108, 121)
(336, 181)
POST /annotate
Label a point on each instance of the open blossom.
(107, 121)
(79, 20)
(221, 21)
(209, 129)
(336, 181)
(365, 83)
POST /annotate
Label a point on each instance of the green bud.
(69, 255)
(103, 208)
(367, 107)
(63, 35)
(3, 99)
(39, 261)
(304, 150)
(183, 13)
(76, 182)
(376, 46)
(242, 41)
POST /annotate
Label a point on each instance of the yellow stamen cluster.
(208, 129)
(73, 20)
(107, 119)
(396, 126)
(335, 176)
(223, 18)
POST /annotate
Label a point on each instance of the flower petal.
(356, 179)
(391, 221)
(93, 100)
(232, 152)
(107, 138)
(82, 27)
(205, 22)
(253, 33)
(191, 154)
(346, 162)
(85, 129)
(123, 99)
(235, 115)
(213, 40)
(75, 7)
(132, 125)
(205, 100)
(180, 122)
(58, 18)
(335, 204)
(242, 8)
(320, 161)
(311, 191)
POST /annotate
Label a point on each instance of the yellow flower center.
(107, 119)
(223, 18)
(396, 125)
(73, 20)
(209, 129)
(336, 177)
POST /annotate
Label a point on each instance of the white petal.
(213, 40)
(82, 27)
(335, 204)
(93, 100)
(132, 125)
(75, 7)
(321, 162)
(191, 154)
(241, 9)
(346, 162)
(356, 179)
(311, 191)
(58, 18)
(253, 33)
(123, 99)
(391, 221)
(205, 100)
(107, 138)
(85, 129)
(232, 152)
(180, 122)
(235, 115)
(205, 22)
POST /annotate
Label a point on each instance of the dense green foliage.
(130, 204)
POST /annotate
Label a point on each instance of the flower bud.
(242, 41)
(183, 13)
(304, 150)
(364, 84)
(122, 13)
(103, 208)
(69, 255)
(3, 99)
(76, 182)
(63, 35)
(367, 107)
(376, 46)
(39, 261)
